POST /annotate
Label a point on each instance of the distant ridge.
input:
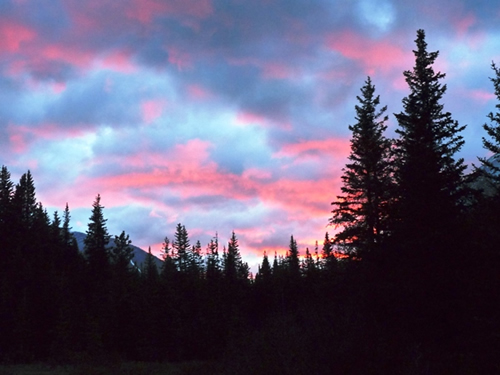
(482, 182)
(139, 254)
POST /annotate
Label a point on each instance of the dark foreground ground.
(128, 368)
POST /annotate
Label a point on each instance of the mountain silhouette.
(139, 254)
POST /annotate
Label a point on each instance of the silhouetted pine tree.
(197, 266)
(168, 268)
(264, 274)
(492, 143)
(362, 210)
(213, 263)
(24, 200)
(122, 253)
(293, 261)
(149, 269)
(96, 243)
(329, 261)
(309, 267)
(181, 249)
(234, 268)
(484, 221)
(429, 178)
(97, 255)
(427, 264)
(7, 316)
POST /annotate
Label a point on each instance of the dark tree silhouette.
(362, 210)
(293, 261)
(96, 243)
(181, 251)
(429, 178)
(234, 268)
(122, 253)
(491, 166)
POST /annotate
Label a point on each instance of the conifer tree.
(234, 267)
(213, 271)
(6, 194)
(264, 273)
(181, 249)
(56, 225)
(96, 243)
(25, 200)
(293, 259)
(492, 166)
(327, 255)
(361, 210)
(426, 268)
(122, 253)
(429, 178)
(68, 238)
(149, 269)
(8, 271)
(309, 265)
(168, 268)
(197, 266)
(6, 214)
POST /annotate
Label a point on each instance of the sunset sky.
(219, 114)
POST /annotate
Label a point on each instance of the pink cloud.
(21, 136)
(146, 10)
(189, 172)
(18, 143)
(71, 55)
(372, 54)
(198, 92)
(248, 118)
(119, 61)
(13, 36)
(152, 110)
(464, 24)
(481, 95)
(256, 174)
(337, 146)
(277, 71)
(58, 87)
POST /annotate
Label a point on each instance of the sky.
(221, 115)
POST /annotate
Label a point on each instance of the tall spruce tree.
(122, 253)
(24, 201)
(293, 261)
(181, 249)
(96, 243)
(213, 266)
(328, 256)
(6, 194)
(429, 178)
(264, 273)
(361, 211)
(68, 238)
(491, 166)
(234, 268)
(427, 270)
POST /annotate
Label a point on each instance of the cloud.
(13, 36)
(219, 114)
(372, 55)
(377, 13)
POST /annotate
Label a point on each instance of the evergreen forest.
(408, 284)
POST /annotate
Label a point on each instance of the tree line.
(407, 284)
